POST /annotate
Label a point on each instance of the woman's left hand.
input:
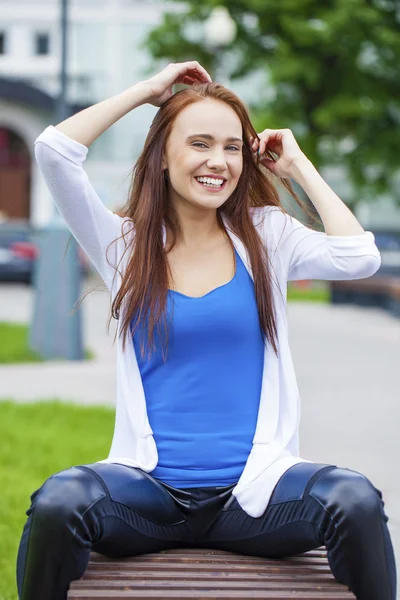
(282, 142)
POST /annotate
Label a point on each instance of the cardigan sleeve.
(94, 226)
(309, 254)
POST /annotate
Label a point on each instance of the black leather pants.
(122, 511)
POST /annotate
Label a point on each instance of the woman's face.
(205, 140)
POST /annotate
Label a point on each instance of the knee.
(65, 497)
(348, 496)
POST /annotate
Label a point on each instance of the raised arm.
(94, 226)
(61, 150)
(344, 250)
(309, 254)
(88, 124)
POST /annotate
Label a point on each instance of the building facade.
(104, 58)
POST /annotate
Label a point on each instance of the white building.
(104, 59)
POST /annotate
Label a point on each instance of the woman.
(205, 448)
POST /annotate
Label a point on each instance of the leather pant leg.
(313, 505)
(355, 531)
(56, 541)
(108, 508)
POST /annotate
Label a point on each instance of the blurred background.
(329, 71)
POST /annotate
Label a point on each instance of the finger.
(269, 138)
(205, 73)
(188, 80)
(270, 165)
(200, 77)
(193, 77)
(265, 139)
(275, 146)
(275, 136)
(190, 76)
(196, 66)
(273, 142)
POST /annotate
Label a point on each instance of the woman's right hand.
(160, 86)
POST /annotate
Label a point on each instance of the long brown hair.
(144, 285)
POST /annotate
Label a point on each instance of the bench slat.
(204, 574)
(205, 584)
(200, 595)
(222, 574)
(183, 568)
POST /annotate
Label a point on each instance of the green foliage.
(38, 440)
(334, 68)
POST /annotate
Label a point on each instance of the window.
(2, 42)
(41, 44)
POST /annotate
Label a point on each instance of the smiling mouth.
(212, 187)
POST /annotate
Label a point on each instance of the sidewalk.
(85, 382)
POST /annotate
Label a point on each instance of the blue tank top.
(203, 402)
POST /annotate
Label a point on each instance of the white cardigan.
(296, 253)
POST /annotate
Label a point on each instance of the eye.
(202, 144)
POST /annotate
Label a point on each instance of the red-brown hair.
(144, 285)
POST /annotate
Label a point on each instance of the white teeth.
(210, 180)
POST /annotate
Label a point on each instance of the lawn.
(308, 291)
(38, 440)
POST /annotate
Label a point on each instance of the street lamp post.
(53, 332)
(219, 31)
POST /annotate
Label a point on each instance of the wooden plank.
(272, 567)
(95, 557)
(234, 560)
(205, 573)
(220, 574)
(206, 584)
(200, 595)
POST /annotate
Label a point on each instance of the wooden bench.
(196, 573)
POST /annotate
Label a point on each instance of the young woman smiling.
(205, 450)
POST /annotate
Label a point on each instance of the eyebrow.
(211, 137)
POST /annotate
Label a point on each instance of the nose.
(216, 159)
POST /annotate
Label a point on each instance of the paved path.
(347, 365)
(86, 382)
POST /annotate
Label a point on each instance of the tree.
(333, 67)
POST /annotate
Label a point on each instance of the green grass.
(318, 291)
(14, 347)
(38, 440)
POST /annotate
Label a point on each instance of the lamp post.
(53, 332)
(219, 31)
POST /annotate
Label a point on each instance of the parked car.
(381, 289)
(388, 243)
(19, 251)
